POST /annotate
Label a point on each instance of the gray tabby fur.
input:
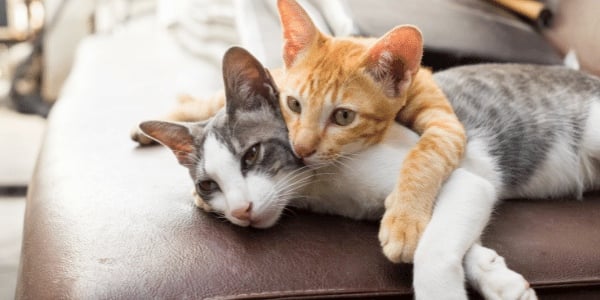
(521, 111)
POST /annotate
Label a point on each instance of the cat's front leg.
(428, 164)
(487, 272)
(401, 227)
(188, 109)
(199, 202)
(462, 211)
(409, 207)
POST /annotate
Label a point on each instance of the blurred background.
(41, 41)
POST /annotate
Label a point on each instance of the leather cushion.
(106, 219)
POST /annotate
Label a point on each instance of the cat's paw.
(494, 280)
(400, 232)
(199, 202)
(138, 136)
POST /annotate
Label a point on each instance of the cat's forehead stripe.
(222, 130)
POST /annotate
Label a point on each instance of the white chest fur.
(356, 187)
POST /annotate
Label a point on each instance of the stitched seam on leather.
(288, 292)
(567, 283)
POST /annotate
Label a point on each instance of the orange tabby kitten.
(340, 95)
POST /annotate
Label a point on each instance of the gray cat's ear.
(395, 59)
(177, 137)
(248, 85)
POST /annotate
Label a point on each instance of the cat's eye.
(251, 156)
(343, 116)
(208, 186)
(294, 104)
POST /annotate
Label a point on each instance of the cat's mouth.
(312, 161)
(262, 221)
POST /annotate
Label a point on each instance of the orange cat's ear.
(177, 137)
(395, 59)
(299, 32)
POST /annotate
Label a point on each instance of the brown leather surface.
(552, 243)
(106, 219)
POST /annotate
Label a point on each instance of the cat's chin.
(263, 225)
(262, 222)
(265, 221)
(241, 223)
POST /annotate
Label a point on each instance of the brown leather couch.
(108, 220)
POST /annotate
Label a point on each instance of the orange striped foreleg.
(437, 153)
(410, 205)
(429, 164)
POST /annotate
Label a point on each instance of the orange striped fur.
(336, 80)
(325, 73)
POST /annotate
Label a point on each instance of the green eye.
(251, 156)
(294, 104)
(343, 116)
(208, 186)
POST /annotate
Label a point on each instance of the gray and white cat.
(533, 132)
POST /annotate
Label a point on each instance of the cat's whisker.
(340, 164)
(291, 177)
(234, 127)
(296, 175)
(289, 212)
(288, 189)
(297, 171)
(341, 160)
(297, 184)
(291, 189)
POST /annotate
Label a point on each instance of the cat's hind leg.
(462, 211)
(487, 272)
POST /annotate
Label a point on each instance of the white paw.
(199, 202)
(496, 281)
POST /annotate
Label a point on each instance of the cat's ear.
(248, 85)
(394, 60)
(299, 32)
(177, 137)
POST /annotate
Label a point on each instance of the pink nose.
(243, 212)
(304, 150)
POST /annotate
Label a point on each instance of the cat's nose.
(305, 142)
(243, 212)
(304, 150)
